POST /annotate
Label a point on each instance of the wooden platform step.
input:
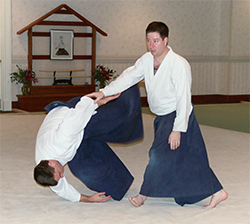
(40, 96)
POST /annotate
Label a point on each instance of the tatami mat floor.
(22, 201)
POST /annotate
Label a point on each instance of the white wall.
(212, 35)
(5, 55)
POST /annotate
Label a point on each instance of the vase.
(101, 85)
(25, 89)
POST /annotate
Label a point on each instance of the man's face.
(155, 44)
(58, 169)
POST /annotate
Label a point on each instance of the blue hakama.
(95, 163)
(183, 173)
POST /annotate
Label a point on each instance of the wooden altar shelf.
(58, 79)
(75, 77)
(65, 10)
(69, 70)
(40, 96)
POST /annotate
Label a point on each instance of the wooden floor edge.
(212, 99)
(197, 99)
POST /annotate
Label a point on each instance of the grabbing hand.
(107, 99)
(174, 140)
(96, 96)
(97, 197)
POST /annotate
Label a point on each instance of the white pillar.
(5, 55)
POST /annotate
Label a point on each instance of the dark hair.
(44, 174)
(159, 27)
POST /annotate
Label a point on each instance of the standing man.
(76, 133)
(178, 165)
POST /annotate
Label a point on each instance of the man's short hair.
(44, 174)
(159, 27)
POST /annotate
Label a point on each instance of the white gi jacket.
(167, 90)
(59, 137)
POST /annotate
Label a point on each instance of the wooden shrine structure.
(40, 96)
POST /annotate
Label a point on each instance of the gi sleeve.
(128, 78)
(182, 81)
(64, 190)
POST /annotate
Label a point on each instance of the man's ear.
(166, 41)
(51, 163)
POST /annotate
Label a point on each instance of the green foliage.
(23, 76)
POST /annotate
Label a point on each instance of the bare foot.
(217, 198)
(138, 200)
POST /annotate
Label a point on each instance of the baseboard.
(216, 98)
(211, 99)
(197, 99)
(14, 104)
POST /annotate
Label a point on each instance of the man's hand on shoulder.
(97, 197)
(96, 96)
(100, 99)
(107, 99)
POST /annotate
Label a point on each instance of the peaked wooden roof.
(62, 9)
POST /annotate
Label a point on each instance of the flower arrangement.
(102, 75)
(24, 76)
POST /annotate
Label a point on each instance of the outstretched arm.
(65, 190)
(97, 197)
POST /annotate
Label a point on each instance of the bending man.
(76, 133)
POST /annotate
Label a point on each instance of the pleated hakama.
(183, 173)
(95, 163)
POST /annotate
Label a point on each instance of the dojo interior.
(212, 35)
